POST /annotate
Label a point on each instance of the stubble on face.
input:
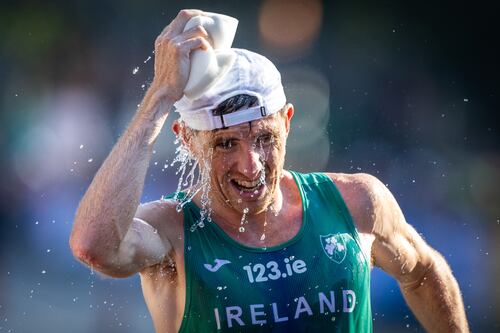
(231, 183)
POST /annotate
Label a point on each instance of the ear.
(180, 132)
(289, 110)
(185, 134)
(176, 128)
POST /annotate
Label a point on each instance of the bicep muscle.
(142, 246)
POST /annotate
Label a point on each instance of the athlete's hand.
(172, 50)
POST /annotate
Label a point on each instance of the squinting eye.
(225, 144)
(265, 139)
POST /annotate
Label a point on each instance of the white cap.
(250, 74)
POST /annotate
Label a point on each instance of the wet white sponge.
(207, 66)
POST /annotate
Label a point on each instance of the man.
(279, 251)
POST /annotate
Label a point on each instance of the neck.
(232, 219)
(269, 227)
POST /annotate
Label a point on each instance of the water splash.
(273, 210)
(206, 204)
(243, 220)
(262, 178)
(263, 236)
(194, 176)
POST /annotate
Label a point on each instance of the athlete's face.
(246, 161)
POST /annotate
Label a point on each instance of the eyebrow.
(215, 140)
(252, 132)
(264, 127)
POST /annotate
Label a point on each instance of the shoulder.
(366, 197)
(153, 210)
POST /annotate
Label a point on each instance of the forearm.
(109, 205)
(435, 299)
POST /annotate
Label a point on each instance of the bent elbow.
(88, 255)
(83, 252)
(86, 250)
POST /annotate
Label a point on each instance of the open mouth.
(248, 186)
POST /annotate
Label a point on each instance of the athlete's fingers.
(191, 44)
(197, 31)
(193, 32)
(179, 22)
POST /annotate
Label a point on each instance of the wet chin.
(255, 202)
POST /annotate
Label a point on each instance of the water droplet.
(44, 271)
(90, 160)
(190, 182)
(135, 70)
(81, 146)
(242, 229)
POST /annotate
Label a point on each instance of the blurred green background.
(406, 91)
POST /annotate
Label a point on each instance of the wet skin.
(110, 238)
(245, 167)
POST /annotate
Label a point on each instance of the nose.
(250, 163)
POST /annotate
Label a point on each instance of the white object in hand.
(209, 65)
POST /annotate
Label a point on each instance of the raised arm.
(425, 279)
(105, 234)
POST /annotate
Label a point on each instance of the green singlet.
(317, 281)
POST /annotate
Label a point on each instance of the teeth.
(247, 184)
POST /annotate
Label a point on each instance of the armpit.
(165, 269)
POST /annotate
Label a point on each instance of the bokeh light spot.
(288, 28)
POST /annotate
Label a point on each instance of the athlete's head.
(240, 125)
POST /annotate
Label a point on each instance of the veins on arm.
(425, 279)
(398, 249)
(394, 245)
